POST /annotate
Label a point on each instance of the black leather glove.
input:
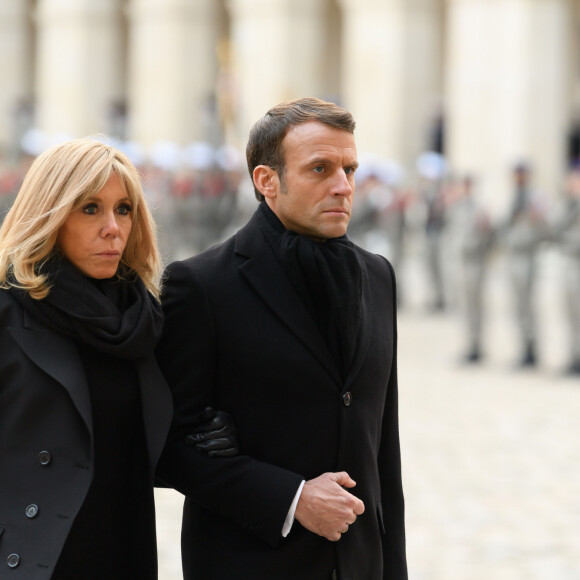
(214, 434)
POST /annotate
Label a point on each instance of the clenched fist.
(326, 508)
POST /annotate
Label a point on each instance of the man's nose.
(342, 185)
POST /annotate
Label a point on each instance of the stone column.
(507, 91)
(574, 65)
(79, 62)
(391, 73)
(15, 72)
(279, 49)
(172, 69)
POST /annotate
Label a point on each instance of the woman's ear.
(266, 181)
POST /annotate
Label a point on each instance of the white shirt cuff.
(290, 517)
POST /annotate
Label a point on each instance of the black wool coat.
(238, 337)
(46, 441)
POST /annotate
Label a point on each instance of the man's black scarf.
(117, 316)
(328, 277)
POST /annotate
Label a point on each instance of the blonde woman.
(84, 409)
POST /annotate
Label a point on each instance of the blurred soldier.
(434, 229)
(393, 216)
(431, 168)
(378, 221)
(365, 210)
(195, 204)
(473, 237)
(565, 230)
(524, 232)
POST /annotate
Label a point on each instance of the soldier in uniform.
(431, 168)
(565, 231)
(473, 231)
(522, 237)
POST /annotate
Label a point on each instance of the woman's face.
(94, 236)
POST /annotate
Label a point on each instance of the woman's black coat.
(46, 439)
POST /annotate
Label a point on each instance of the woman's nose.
(110, 226)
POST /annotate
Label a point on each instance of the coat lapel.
(157, 406)
(264, 272)
(58, 357)
(364, 333)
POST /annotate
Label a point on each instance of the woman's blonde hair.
(57, 183)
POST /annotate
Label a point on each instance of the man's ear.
(266, 181)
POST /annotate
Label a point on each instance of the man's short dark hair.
(266, 136)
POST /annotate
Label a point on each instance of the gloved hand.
(214, 434)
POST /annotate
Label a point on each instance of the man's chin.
(335, 233)
(324, 231)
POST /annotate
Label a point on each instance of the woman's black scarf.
(328, 277)
(117, 316)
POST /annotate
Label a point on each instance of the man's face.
(315, 196)
(521, 177)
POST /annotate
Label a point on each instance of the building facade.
(487, 82)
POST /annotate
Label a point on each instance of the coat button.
(32, 511)
(13, 560)
(347, 399)
(44, 457)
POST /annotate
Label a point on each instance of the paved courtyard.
(491, 455)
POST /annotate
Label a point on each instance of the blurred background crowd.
(468, 123)
(433, 219)
(468, 133)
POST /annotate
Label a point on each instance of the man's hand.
(325, 508)
(214, 433)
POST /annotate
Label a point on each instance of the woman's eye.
(124, 209)
(90, 209)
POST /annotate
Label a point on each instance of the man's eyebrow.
(323, 160)
(318, 160)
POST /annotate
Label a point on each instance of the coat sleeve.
(253, 494)
(394, 553)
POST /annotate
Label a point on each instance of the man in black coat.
(292, 329)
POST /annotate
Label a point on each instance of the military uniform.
(523, 234)
(473, 237)
(565, 231)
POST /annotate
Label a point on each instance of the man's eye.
(90, 209)
(349, 170)
(319, 169)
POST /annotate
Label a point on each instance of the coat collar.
(58, 357)
(48, 350)
(264, 272)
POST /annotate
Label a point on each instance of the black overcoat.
(46, 463)
(237, 336)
